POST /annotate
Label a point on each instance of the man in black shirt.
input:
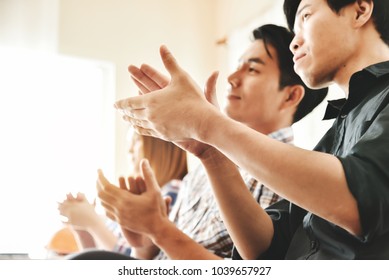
(340, 192)
(358, 139)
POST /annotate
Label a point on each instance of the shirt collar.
(284, 135)
(333, 108)
(378, 69)
(360, 83)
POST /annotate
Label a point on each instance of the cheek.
(325, 39)
(258, 107)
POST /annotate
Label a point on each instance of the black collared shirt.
(359, 138)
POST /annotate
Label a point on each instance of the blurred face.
(254, 97)
(135, 152)
(324, 43)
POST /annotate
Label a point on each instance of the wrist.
(210, 117)
(211, 155)
(95, 223)
(145, 253)
(164, 234)
(212, 159)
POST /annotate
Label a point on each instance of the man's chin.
(310, 80)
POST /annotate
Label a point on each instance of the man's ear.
(363, 11)
(293, 96)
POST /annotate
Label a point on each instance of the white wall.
(131, 31)
(29, 24)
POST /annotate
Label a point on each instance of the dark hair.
(280, 38)
(380, 13)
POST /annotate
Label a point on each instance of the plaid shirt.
(196, 212)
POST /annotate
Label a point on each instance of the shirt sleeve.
(367, 173)
(280, 215)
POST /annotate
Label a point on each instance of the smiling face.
(324, 43)
(254, 97)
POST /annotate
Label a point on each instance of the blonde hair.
(166, 159)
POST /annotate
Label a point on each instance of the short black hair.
(380, 13)
(280, 38)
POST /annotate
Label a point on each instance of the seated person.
(95, 231)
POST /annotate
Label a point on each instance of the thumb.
(210, 89)
(148, 176)
(169, 61)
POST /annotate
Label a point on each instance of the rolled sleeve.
(279, 213)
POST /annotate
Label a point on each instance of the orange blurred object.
(63, 242)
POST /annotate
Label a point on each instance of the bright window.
(56, 122)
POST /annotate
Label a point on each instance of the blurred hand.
(140, 213)
(79, 212)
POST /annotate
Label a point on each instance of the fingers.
(134, 120)
(210, 89)
(107, 207)
(141, 87)
(134, 103)
(70, 197)
(104, 183)
(210, 85)
(111, 216)
(122, 183)
(168, 201)
(80, 196)
(106, 191)
(147, 79)
(139, 129)
(61, 208)
(169, 61)
(148, 176)
(141, 184)
(134, 188)
(147, 82)
(160, 79)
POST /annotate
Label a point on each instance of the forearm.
(84, 239)
(247, 223)
(179, 246)
(147, 253)
(315, 181)
(103, 236)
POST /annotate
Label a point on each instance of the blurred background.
(63, 63)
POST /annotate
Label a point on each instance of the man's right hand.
(148, 79)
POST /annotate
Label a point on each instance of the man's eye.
(251, 69)
(306, 16)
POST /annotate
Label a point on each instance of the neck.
(373, 50)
